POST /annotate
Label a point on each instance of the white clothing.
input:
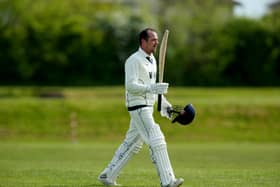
(143, 129)
(140, 73)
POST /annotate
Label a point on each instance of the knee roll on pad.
(156, 137)
(134, 147)
(137, 147)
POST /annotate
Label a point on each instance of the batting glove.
(158, 88)
(165, 108)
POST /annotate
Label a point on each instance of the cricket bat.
(161, 62)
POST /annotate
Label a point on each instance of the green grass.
(200, 164)
(233, 142)
(223, 114)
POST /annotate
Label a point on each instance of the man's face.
(150, 45)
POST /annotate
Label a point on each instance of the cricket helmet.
(184, 116)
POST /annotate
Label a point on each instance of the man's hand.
(165, 108)
(158, 88)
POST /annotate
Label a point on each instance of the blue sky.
(253, 8)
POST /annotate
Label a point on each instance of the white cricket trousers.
(143, 129)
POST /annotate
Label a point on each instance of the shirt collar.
(144, 53)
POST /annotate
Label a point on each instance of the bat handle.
(159, 102)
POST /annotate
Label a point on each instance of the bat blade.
(162, 54)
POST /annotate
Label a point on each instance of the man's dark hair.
(144, 34)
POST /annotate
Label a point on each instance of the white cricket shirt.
(139, 74)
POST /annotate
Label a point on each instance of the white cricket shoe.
(176, 183)
(107, 182)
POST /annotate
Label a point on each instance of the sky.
(252, 8)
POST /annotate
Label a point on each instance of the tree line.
(85, 42)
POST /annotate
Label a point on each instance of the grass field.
(78, 165)
(233, 142)
(223, 114)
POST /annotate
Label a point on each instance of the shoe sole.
(106, 183)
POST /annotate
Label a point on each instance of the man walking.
(141, 90)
